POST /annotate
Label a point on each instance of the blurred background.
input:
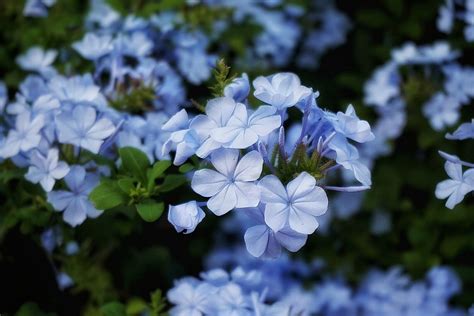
(120, 257)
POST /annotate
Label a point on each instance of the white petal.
(208, 182)
(256, 240)
(276, 215)
(224, 201)
(314, 202)
(249, 167)
(272, 190)
(248, 194)
(302, 222)
(225, 161)
(301, 185)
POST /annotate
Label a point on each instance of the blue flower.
(75, 203)
(24, 137)
(347, 156)
(231, 301)
(349, 125)
(242, 130)
(457, 187)
(94, 46)
(185, 217)
(75, 89)
(37, 8)
(261, 240)
(3, 96)
(464, 131)
(37, 59)
(238, 89)
(46, 170)
(233, 184)
(81, 127)
(191, 298)
(297, 205)
(281, 90)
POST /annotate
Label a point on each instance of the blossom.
(46, 170)
(349, 125)
(348, 157)
(185, 217)
(242, 130)
(233, 184)
(94, 46)
(81, 127)
(297, 205)
(464, 131)
(37, 59)
(25, 136)
(261, 240)
(191, 299)
(281, 90)
(231, 301)
(457, 187)
(75, 202)
(238, 89)
(74, 89)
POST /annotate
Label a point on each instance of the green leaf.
(150, 211)
(158, 169)
(31, 309)
(136, 306)
(113, 309)
(126, 185)
(107, 195)
(173, 181)
(157, 303)
(186, 168)
(135, 162)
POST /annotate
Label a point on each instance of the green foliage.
(31, 309)
(135, 99)
(113, 309)
(137, 184)
(149, 210)
(222, 78)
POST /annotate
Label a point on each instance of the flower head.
(46, 170)
(297, 205)
(232, 184)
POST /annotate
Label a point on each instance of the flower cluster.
(385, 91)
(256, 287)
(278, 178)
(462, 10)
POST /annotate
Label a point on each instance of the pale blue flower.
(94, 46)
(261, 240)
(233, 184)
(231, 301)
(383, 86)
(349, 125)
(102, 14)
(185, 217)
(75, 203)
(37, 8)
(3, 96)
(238, 89)
(243, 130)
(347, 156)
(457, 187)
(33, 87)
(281, 90)
(191, 299)
(297, 205)
(37, 59)
(464, 131)
(75, 89)
(46, 170)
(81, 127)
(445, 19)
(24, 137)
